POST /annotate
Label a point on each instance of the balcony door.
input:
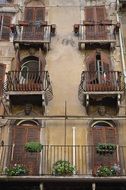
(95, 15)
(102, 132)
(22, 134)
(98, 65)
(34, 16)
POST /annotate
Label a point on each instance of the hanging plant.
(33, 147)
(103, 148)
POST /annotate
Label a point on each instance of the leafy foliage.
(104, 171)
(105, 148)
(16, 170)
(33, 147)
(63, 167)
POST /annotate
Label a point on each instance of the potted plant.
(33, 147)
(104, 171)
(105, 148)
(63, 167)
(16, 170)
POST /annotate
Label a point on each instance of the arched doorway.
(103, 132)
(23, 132)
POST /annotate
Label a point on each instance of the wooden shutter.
(96, 15)
(106, 61)
(101, 30)
(90, 16)
(40, 13)
(2, 75)
(35, 16)
(5, 33)
(103, 134)
(91, 61)
(21, 135)
(28, 30)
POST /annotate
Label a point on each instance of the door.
(34, 16)
(98, 64)
(95, 16)
(5, 27)
(20, 135)
(104, 133)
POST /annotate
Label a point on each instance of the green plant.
(16, 170)
(105, 148)
(63, 167)
(104, 171)
(33, 147)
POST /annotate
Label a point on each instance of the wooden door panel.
(103, 135)
(18, 155)
(35, 16)
(95, 31)
(101, 30)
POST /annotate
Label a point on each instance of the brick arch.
(30, 2)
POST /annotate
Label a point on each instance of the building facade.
(62, 88)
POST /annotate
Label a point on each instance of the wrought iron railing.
(100, 82)
(18, 81)
(6, 1)
(101, 32)
(81, 156)
(33, 33)
(27, 81)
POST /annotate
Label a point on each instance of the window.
(5, 27)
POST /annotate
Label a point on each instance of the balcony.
(33, 33)
(101, 83)
(101, 89)
(28, 83)
(95, 33)
(85, 159)
(2, 2)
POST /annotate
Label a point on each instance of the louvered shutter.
(101, 30)
(103, 135)
(95, 15)
(90, 16)
(28, 30)
(35, 16)
(91, 67)
(39, 19)
(21, 135)
(91, 61)
(5, 33)
(106, 61)
(2, 75)
(33, 133)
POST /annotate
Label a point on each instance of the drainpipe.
(74, 143)
(122, 52)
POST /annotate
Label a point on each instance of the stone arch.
(34, 3)
(112, 125)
